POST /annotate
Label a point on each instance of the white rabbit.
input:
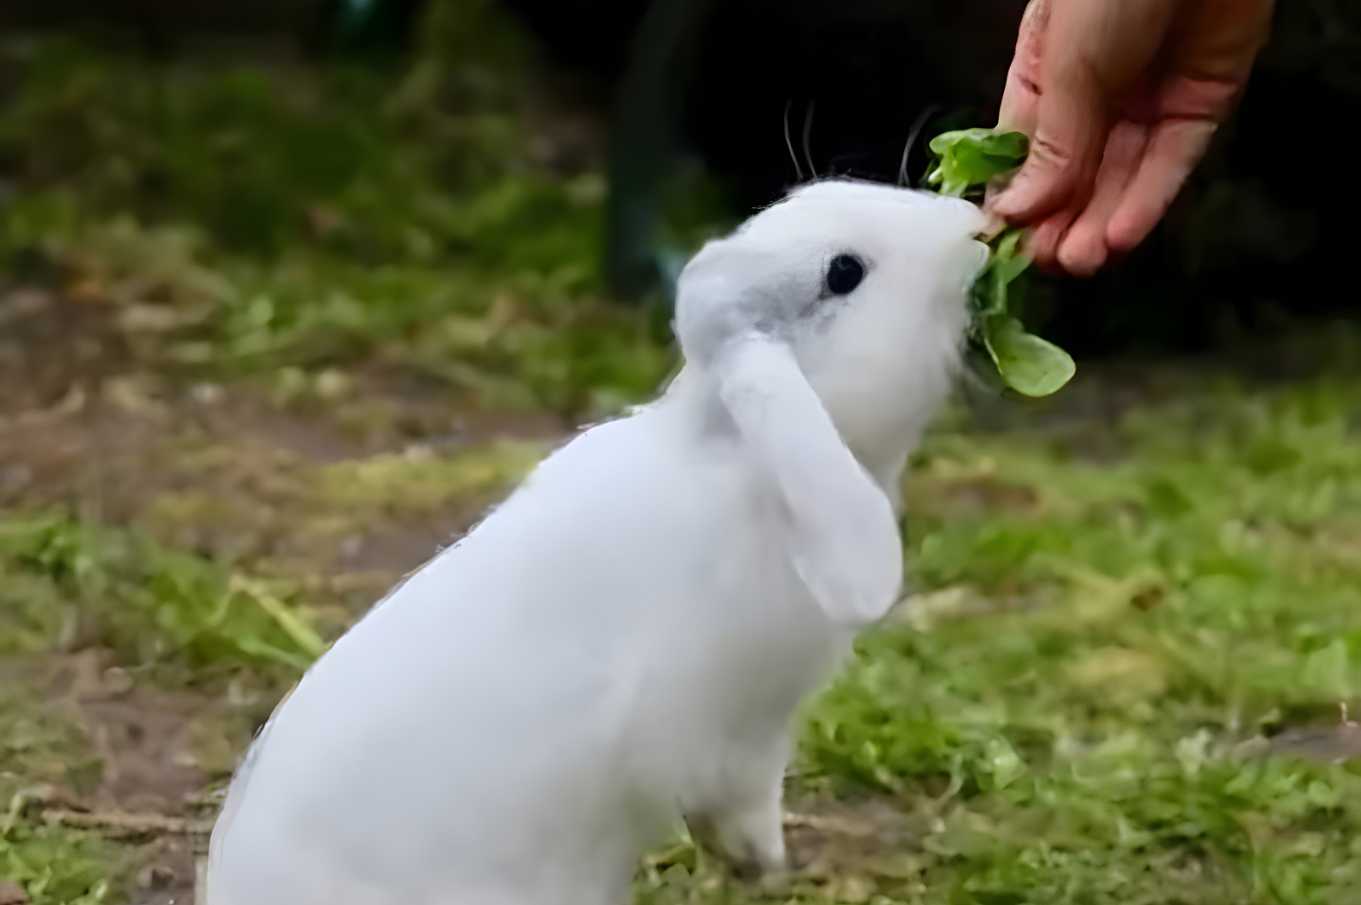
(624, 641)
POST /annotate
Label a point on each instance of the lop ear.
(843, 535)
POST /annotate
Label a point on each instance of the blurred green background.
(291, 292)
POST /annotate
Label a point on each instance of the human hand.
(1121, 99)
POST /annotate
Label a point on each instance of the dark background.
(1264, 234)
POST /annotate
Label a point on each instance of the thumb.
(1065, 151)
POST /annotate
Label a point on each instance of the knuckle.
(1050, 153)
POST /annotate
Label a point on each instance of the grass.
(41, 746)
(1077, 706)
(1142, 620)
(150, 605)
(235, 220)
(416, 482)
(58, 866)
(1114, 620)
(1119, 619)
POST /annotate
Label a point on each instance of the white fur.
(623, 642)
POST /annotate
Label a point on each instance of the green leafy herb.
(971, 158)
(1030, 365)
(968, 160)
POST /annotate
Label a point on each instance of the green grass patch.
(40, 746)
(61, 867)
(417, 482)
(232, 219)
(68, 583)
(1104, 642)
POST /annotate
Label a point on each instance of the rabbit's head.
(864, 284)
(829, 326)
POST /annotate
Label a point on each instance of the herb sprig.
(966, 161)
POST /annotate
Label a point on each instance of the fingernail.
(994, 226)
(1085, 264)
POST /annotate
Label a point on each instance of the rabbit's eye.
(844, 274)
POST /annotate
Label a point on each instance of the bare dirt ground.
(225, 471)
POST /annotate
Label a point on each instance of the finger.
(1092, 55)
(1020, 98)
(1083, 249)
(1174, 149)
(1042, 242)
(1063, 145)
(1210, 64)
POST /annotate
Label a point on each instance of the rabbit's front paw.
(751, 843)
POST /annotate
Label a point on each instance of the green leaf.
(1007, 149)
(1327, 671)
(966, 161)
(1030, 365)
(1002, 762)
(1007, 257)
(1005, 265)
(971, 158)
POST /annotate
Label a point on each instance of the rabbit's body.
(556, 706)
(620, 644)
